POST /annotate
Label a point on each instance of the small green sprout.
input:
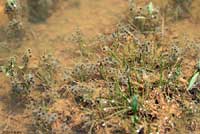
(11, 4)
(150, 8)
(195, 77)
(9, 69)
(134, 104)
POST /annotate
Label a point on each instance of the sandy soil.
(92, 17)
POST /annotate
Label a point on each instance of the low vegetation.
(136, 86)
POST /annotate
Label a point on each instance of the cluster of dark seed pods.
(85, 72)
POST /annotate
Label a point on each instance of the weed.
(193, 86)
(84, 72)
(136, 77)
(136, 82)
(100, 70)
(15, 30)
(43, 120)
(82, 95)
(121, 100)
(21, 76)
(47, 71)
(77, 38)
(24, 78)
(147, 19)
(12, 8)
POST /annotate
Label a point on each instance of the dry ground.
(92, 17)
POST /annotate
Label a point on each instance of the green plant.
(77, 37)
(20, 75)
(15, 30)
(194, 79)
(47, 71)
(193, 86)
(146, 19)
(120, 103)
(134, 117)
(11, 4)
(43, 120)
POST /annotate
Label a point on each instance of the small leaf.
(7, 74)
(150, 8)
(193, 80)
(21, 67)
(135, 104)
(129, 86)
(134, 119)
(3, 69)
(11, 3)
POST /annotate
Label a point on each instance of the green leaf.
(150, 8)
(12, 3)
(129, 86)
(134, 119)
(135, 104)
(3, 69)
(193, 80)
